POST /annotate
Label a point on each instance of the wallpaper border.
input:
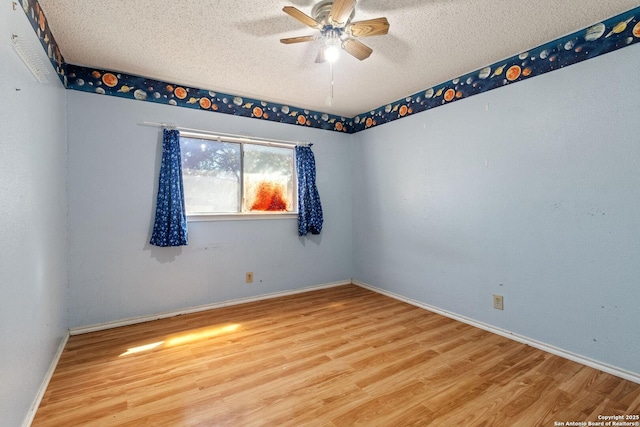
(108, 82)
(606, 36)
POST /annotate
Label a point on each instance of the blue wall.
(530, 191)
(33, 225)
(113, 168)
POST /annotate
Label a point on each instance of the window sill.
(241, 216)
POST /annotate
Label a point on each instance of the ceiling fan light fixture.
(333, 18)
(332, 44)
(332, 53)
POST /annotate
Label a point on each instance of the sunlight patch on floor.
(184, 338)
(200, 334)
(141, 348)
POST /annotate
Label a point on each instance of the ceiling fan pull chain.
(331, 70)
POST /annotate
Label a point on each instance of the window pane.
(211, 175)
(268, 179)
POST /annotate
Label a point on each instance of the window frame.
(243, 216)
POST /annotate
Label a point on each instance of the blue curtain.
(170, 227)
(309, 207)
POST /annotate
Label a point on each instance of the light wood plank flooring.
(337, 357)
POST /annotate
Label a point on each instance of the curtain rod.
(227, 136)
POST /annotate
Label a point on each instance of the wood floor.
(337, 357)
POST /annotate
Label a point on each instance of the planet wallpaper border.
(606, 36)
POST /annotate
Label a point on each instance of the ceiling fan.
(333, 19)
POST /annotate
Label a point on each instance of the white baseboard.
(141, 319)
(613, 370)
(45, 382)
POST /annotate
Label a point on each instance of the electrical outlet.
(498, 302)
(249, 277)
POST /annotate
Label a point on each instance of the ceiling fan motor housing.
(320, 13)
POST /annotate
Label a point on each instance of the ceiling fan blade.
(341, 10)
(370, 27)
(300, 39)
(357, 49)
(301, 16)
(321, 56)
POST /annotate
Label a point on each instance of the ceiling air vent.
(27, 51)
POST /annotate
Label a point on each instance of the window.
(233, 177)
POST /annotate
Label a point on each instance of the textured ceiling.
(233, 46)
